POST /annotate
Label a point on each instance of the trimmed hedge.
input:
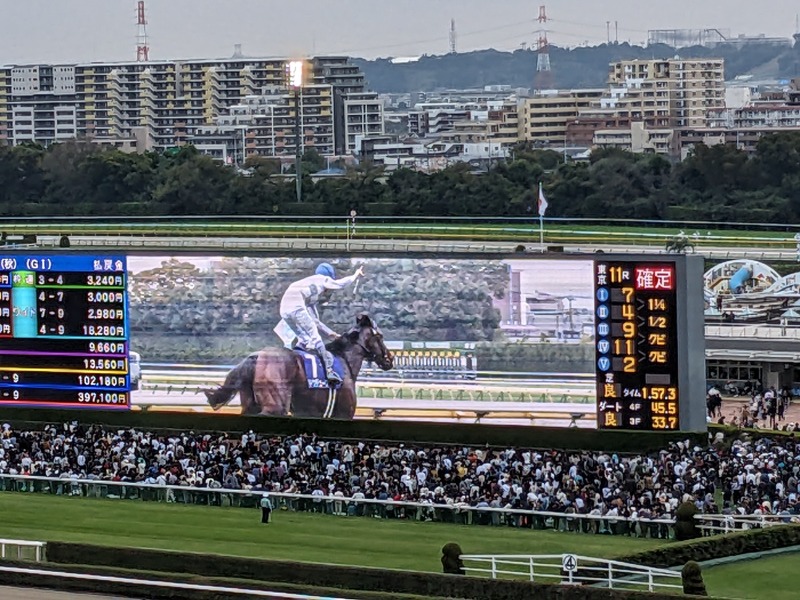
(718, 546)
(430, 585)
(23, 580)
(394, 431)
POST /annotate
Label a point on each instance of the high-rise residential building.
(363, 116)
(166, 100)
(649, 102)
(545, 117)
(497, 122)
(472, 122)
(434, 118)
(675, 92)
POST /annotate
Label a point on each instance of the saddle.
(315, 370)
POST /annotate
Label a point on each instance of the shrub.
(685, 523)
(692, 577)
(451, 559)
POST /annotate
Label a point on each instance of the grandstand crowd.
(758, 477)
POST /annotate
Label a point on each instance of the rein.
(368, 355)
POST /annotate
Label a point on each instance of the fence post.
(610, 576)
(530, 567)
(649, 580)
(494, 568)
(3, 550)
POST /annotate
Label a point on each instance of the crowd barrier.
(22, 550)
(572, 569)
(342, 506)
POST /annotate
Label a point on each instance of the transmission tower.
(544, 74)
(453, 36)
(142, 43)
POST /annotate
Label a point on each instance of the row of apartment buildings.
(656, 106)
(240, 107)
(644, 107)
(233, 108)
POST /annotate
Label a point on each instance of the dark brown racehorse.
(272, 381)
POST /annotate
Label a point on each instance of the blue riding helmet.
(327, 270)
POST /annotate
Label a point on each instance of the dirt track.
(732, 406)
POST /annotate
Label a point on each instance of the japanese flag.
(542, 201)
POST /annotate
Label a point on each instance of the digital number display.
(64, 331)
(636, 346)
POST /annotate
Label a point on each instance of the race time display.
(551, 340)
(637, 342)
(64, 331)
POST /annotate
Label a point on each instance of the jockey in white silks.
(299, 313)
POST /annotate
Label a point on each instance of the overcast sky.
(84, 30)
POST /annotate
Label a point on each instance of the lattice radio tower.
(544, 73)
(142, 42)
(453, 36)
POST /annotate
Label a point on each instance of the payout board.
(617, 340)
(64, 331)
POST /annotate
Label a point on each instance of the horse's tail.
(241, 375)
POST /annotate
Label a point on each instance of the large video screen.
(505, 340)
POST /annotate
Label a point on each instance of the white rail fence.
(344, 506)
(715, 524)
(572, 569)
(22, 550)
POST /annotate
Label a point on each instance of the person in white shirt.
(299, 311)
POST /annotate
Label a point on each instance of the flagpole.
(541, 216)
(541, 229)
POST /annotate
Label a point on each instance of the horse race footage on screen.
(392, 338)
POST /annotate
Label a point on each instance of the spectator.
(266, 508)
(573, 483)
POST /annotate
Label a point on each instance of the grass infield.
(766, 578)
(357, 541)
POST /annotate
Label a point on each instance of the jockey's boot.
(332, 376)
(327, 358)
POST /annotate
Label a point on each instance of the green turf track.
(520, 231)
(306, 537)
(773, 578)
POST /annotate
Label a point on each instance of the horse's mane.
(341, 344)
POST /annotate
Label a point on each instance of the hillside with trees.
(719, 183)
(572, 67)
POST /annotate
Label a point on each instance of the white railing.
(349, 506)
(714, 524)
(173, 585)
(21, 550)
(343, 505)
(743, 331)
(571, 569)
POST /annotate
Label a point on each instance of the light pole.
(296, 85)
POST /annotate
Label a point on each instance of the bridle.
(369, 355)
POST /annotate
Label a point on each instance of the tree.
(194, 185)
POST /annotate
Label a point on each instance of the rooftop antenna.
(142, 43)
(453, 36)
